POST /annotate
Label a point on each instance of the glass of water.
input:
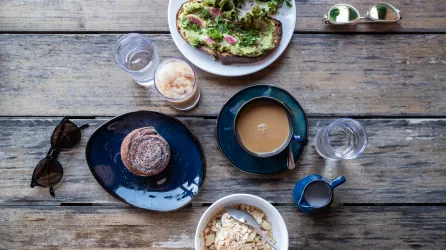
(135, 55)
(344, 139)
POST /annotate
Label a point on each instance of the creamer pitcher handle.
(336, 182)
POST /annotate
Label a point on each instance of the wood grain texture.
(404, 163)
(53, 227)
(343, 75)
(151, 15)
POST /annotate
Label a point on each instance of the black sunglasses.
(48, 172)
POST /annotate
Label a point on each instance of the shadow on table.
(252, 79)
(363, 27)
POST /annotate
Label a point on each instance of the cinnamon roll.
(144, 152)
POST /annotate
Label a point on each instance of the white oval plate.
(205, 62)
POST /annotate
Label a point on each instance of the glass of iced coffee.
(175, 79)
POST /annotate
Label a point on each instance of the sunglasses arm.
(84, 126)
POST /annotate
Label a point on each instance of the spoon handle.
(291, 164)
(266, 239)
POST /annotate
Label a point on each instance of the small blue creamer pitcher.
(315, 193)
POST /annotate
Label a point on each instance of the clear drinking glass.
(176, 81)
(135, 55)
(344, 139)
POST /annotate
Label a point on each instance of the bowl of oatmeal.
(217, 230)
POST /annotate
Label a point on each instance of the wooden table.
(56, 59)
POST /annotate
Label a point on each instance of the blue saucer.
(232, 150)
(169, 190)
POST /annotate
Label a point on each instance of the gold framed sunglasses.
(347, 14)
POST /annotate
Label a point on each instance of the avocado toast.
(226, 34)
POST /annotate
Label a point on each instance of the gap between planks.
(193, 204)
(99, 32)
(211, 117)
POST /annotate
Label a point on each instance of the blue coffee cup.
(292, 136)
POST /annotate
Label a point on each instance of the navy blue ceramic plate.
(227, 140)
(169, 190)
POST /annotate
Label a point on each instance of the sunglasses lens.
(343, 14)
(48, 173)
(65, 137)
(383, 12)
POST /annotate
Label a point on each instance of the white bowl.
(280, 231)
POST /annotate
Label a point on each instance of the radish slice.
(195, 19)
(207, 39)
(230, 39)
(215, 12)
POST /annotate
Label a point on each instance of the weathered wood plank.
(54, 75)
(56, 227)
(151, 15)
(404, 163)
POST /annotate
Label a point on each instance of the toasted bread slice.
(227, 58)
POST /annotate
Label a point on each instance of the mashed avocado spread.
(223, 29)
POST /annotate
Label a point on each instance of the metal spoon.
(291, 164)
(247, 219)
